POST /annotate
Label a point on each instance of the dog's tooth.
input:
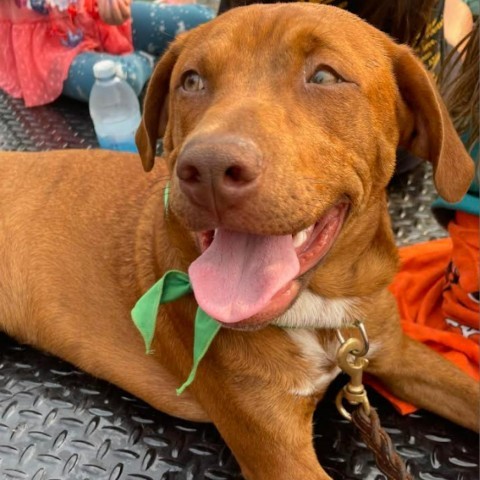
(300, 238)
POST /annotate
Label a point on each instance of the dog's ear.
(426, 128)
(155, 107)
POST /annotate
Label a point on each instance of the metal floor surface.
(58, 423)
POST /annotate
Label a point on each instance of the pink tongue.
(239, 274)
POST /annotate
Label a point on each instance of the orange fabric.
(437, 295)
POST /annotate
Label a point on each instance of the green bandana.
(170, 287)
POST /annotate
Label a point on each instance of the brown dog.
(280, 127)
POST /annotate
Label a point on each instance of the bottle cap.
(105, 69)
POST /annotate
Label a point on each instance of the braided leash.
(351, 359)
(378, 441)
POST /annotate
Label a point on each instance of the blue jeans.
(154, 26)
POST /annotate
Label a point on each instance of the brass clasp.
(351, 359)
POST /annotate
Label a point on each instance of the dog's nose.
(219, 172)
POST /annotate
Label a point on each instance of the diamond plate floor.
(57, 423)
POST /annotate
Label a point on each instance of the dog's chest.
(319, 360)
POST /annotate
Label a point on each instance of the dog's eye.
(324, 76)
(192, 81)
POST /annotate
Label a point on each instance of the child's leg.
(135, 68)
(156, 25)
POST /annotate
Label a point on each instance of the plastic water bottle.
(114, 109)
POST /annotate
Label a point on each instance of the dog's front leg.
(269, 433)
(247, 386)
(419, 375)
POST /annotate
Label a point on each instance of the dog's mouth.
(243, 279)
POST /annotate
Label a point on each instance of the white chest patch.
(322, 367)
(314, 311)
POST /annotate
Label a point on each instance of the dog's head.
(280, 126)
